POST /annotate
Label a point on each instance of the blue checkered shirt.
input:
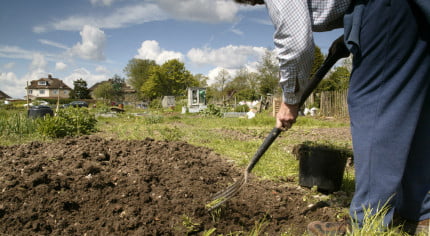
(294, 22)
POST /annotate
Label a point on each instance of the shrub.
(71, 121)
(212, 110)
(155, 104)
(241, 108)
(171, 134)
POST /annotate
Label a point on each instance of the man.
(389, 97)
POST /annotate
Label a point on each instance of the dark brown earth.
(95, 186)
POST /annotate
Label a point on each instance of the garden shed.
(168, 101)
(196, 99)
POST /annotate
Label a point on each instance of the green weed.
(70, 121)
(171, 134)
(190, 226)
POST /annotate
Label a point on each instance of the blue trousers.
(389, 105)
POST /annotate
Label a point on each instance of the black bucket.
(321, 166)
(40, 111)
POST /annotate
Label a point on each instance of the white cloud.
(15, 52)
(212, 74)
(120, 17)
(102, 69)
(92, 45)
(11, 85)
(52, 43)
(8, 79)
(143, 12)
(150, 49)
(38, 63)
(226, 57)
(201, 10)
(37, 68)
(60, 66)
(8, 66)
(101, 2)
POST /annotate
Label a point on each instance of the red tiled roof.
(51, 83)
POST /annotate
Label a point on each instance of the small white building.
(196, 99)
(168, 101)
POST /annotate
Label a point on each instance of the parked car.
(76, 104)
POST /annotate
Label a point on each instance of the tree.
(337, 80)
(105, 91)
(202, 80)
(80, 90)
(318, 60)
(117, 84)
(219, 85)
(170, 79)
(221, 79)
(243, 86)
(138, 72)
(268, 69)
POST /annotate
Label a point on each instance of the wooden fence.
(331, 103)
(334, 103)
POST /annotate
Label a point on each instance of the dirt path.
(89, 185)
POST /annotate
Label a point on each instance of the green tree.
(202, 80)
(105, 91)
(268, 69)
(217, 90)
(337, 80)
(80, 90)
(138, 71)
(118, 84)
(243, 86)
(170, 79)
(318, 60)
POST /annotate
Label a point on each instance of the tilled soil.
(94, 186)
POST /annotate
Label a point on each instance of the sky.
(95, 39)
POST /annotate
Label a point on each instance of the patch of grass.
(306, 121)
(374, 225)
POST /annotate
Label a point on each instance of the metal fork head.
(223, 196)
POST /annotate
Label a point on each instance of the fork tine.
(227, 194)
(234, 187)
(224, 199)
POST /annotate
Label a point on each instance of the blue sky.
(95, 39)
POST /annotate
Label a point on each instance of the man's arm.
(295, 50)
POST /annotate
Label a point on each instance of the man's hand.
(286, 116)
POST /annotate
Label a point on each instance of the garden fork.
(337, 51)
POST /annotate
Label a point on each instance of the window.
(194, 96)
(55, 91)
(41, 91)
(30, 91)
(65, 92)
(41, 82)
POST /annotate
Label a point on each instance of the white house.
(48, 88)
